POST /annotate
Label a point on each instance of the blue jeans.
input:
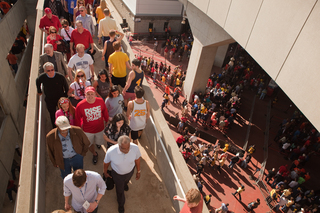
(75, 162)
(231, 164)
(14, 67)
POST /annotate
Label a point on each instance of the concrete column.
(208, 38)
(199, 68)
(220, 55)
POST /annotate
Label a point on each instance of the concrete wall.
(282, 36)
(12, 92)
(27, 172)
(154, 7)
(159, 7)
(125, 9)
(158, 23)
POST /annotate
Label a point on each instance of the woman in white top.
(77, 88)
(66, 34)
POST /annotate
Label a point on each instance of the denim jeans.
(75, 162)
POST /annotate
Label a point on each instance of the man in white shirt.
(83, 61)
(105, 25)
(82, 185)
(123, 157)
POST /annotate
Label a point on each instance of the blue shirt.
(87, 23)
(71, 6)
(67, 147)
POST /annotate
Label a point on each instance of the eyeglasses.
(80, 76)
(64, 101)
(81, 3)
(53, 32)
(65, 26)
(50, 70)
(81, 10)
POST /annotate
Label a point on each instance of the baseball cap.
(90, 89)
(63, 123)
(47, 10)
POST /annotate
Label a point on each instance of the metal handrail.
(37, 184)
(168, 158)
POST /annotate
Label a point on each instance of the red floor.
(221, 186)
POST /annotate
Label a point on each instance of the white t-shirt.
(122, 163)
(79, 89)
(193, 138)
(64, 34)
(83, 63)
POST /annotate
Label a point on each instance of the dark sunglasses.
(80, 76)
(65, 26)
(53, 32)
(50, 70)
(81, 10)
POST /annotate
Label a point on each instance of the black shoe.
(126, 188)
(98, 146)
(95, 159)
(121, 209)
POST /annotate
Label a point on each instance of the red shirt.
(54, 42)
(5, 7)
(91, 115)
(197, 209)
(167, 90)
(84, 38)
(88, 2)
(45, 22)
(180, 139)
(12, 58)
(186, 155)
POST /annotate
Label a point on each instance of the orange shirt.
(167, 90)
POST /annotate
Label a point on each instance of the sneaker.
(98, 146)
(126, 187)
(95, 159)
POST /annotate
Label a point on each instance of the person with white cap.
(90, 113)
(66, 146)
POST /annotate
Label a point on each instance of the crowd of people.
(298, 141)
(217, 108)
(88, 112)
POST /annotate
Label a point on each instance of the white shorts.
(95, 137)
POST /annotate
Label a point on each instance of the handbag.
(62, 47)
(109, 181)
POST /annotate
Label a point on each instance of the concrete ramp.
(148, 194)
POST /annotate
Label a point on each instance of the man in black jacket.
(55, 86)
(234, 160)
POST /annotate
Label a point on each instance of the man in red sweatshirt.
(90, 113)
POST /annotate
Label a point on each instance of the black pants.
(89, 52)
(119, 81)
(121, 181)
(52, 107)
